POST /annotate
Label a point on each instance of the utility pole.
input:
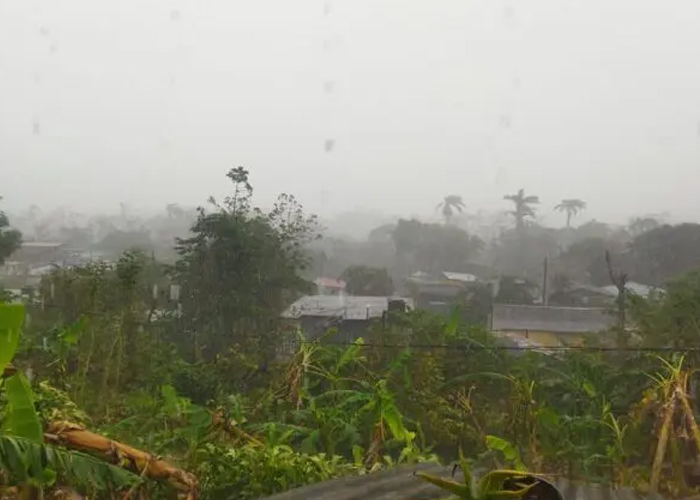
(545, 295)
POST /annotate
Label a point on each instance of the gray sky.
(150, 102)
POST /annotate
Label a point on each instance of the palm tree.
(523, 207)
(449, 205)
(572, 207)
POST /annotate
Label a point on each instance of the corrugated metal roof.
(466, 277)
(347, 307)
(632, 286)
(42, 244)
(399, 483)
(506, 317)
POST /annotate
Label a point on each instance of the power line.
(429, 346)
(478, 347)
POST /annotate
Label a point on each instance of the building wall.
(325, 290)
(348, 330)
(313, 327)
(552, 339)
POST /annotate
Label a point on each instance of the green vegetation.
(9, 238)
(363, 280)
(140, 377)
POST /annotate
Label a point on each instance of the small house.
(28, 263)
(314, 315)
(438, 292)
(329, 286)
(550, 326)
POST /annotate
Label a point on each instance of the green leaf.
(508, 495)
(461, 490)
(171, 400)
(466, 472)
(450, 330)
(21, 418)
(71, 334)
(589, 389)
(351, 354)
(494, 480)
(11, 318)
(358, 453)
(509, 451)
(25, 461)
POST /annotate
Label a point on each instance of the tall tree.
(572, 207)
(368, 281)
(239, 269)
(514, 290)
(10, 239)
(664, 253)
(434, 247)
(523, 206)
(449, 204)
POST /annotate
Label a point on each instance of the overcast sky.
(150, 102)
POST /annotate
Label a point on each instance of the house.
(634, 288)
(549, 326)
(438, 292)
(580, 295)
(351, 315)
(28, 263)
(329, 286)
(595, 296)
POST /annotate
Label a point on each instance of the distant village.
(537, 326)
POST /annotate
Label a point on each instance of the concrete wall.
(552, 339)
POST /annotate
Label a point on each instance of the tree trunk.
(669, 410)
(75, 437)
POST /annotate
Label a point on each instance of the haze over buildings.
(387, 105)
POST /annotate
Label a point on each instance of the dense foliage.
(191, 362)
(9, 238)
(372, 281)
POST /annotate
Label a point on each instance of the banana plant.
(25, 460)
(494, 485)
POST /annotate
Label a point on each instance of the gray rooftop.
(401, 482)
(347, 307)
(508, 317)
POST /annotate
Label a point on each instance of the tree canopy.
(369, 281)
(449, 205)
(664, 252)
(434, 247)
(241, 266)
(10, 239)
(523, 207)
(571, 207)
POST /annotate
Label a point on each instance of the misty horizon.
(381, 107)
